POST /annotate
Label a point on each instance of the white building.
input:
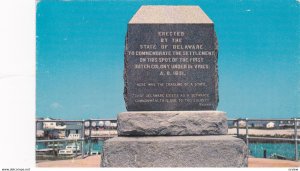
(52, 125)
(270, 125)
(241, 123)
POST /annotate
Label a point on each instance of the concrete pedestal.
(157, 123)
(175, 151)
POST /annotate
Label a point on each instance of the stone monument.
(171, 94)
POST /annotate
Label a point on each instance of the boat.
(70, 149)
(277, 156)
(56, 145)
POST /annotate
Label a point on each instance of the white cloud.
(56, 105)
(298, 1)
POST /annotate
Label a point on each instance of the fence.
(293, 138)
(90, 122)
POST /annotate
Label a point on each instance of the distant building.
(57, 129)
(258, 125)
(39, 125)
(104, 133)
(40, 133)
(286, 123)
(73, 130)
(39, 128)
(270, 125)
(107, 124)
(289, 123)
(102, 128)
(51, 130)
(242, 123)
(298, 122)
(53, 125)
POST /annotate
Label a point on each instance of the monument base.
(157, 123)
(175, 151)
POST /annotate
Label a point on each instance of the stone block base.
(175, 151)
(156, 123)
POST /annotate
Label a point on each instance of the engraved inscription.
(170, 68)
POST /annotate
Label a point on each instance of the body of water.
(284, 149)
(256, 149)
(96, 146)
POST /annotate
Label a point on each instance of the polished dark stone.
(155, 85)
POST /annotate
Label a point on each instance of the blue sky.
(80, 47)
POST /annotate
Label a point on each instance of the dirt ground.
(91, 161)
(94, 161)
(259, 162)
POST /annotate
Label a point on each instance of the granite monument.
(171, 94)
(171, 60)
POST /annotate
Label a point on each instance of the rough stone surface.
(170, 62)
(172, 123)
(175, 151)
